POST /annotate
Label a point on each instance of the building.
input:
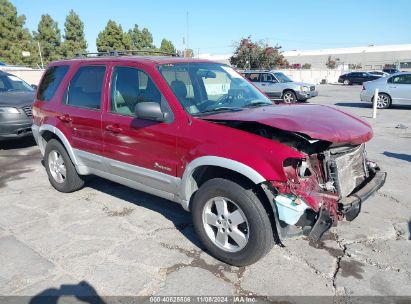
(372, 57)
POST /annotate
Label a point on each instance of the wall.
(314, 75)
(28, 75)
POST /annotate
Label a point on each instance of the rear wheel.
(231, 222)
(289, 97)
(61, 171)
(383, 101)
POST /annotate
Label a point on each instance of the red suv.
(198, 133)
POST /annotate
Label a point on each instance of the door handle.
(65, 118)
(114, 128)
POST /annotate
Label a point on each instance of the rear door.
(400, 88)
(80, 113)
(136, 149)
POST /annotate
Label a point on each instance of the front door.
(270, 86)
(139, 150)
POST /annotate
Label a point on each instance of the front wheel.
(289, 97)
(347, 82)
(231, 222)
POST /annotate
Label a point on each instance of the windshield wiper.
(257, 104)
(218, 110)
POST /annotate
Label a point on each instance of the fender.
(188, 186)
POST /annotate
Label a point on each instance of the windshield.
(282, 78)
(202, 88)
(12, 83)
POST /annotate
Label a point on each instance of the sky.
(214, 26)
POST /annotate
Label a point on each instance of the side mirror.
(149, 110)
(34, 86)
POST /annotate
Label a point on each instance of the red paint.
(316, 121)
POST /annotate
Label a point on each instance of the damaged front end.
(329, 184)
(324, 188)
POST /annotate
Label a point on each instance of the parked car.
(391, 70)
(16, 98)
(395, 89)
(357, 78)
(198, 133)
(378, 73)
(277, 86)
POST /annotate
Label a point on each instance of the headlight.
(304, 88)
(9, 110)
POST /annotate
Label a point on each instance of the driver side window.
(268, 78)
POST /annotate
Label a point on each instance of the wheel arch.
(207, 167)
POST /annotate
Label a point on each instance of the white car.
(394, 89)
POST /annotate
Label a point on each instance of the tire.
(60, 169)
(241, 234)
(347, 82)
(384, 101)
(289, 97)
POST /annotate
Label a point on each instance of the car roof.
(140, 59)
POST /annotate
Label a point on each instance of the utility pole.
(41, 57)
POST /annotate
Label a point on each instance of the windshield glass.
(12, 83)
(282, 78)
(202, 88)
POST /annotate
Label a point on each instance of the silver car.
(277, 86)
(394, 89)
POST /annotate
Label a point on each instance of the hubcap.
(382, 101)
(57, 167)
(288, 98)
(346, 82)
(225, 224)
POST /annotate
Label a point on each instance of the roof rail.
(124, 53)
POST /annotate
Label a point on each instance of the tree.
(188, 53)
(167, 46)
(48, 35)
(331, 63)
(257, 55)
(15, 38)
(141, 40)
(113, 38)
(74, 41)
(306, 66)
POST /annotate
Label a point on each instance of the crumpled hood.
(316, 121)
(16, 98)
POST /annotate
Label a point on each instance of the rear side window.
(254, 77)
(51, 81)
(85, 88)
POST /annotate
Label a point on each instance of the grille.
(350, 170)
(312, 88)
(27, 110)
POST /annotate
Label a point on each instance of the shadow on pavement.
(170, 210)
(400, 156)
(82, 291)
(353, 104)
(20, 143)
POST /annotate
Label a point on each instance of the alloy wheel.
(225, 224)
(289, 97)
(57, 167)
(383, 101)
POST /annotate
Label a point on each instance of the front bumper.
(304, 95)
(351, 205)
(14, 128)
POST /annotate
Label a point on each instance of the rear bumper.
(365, 97)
